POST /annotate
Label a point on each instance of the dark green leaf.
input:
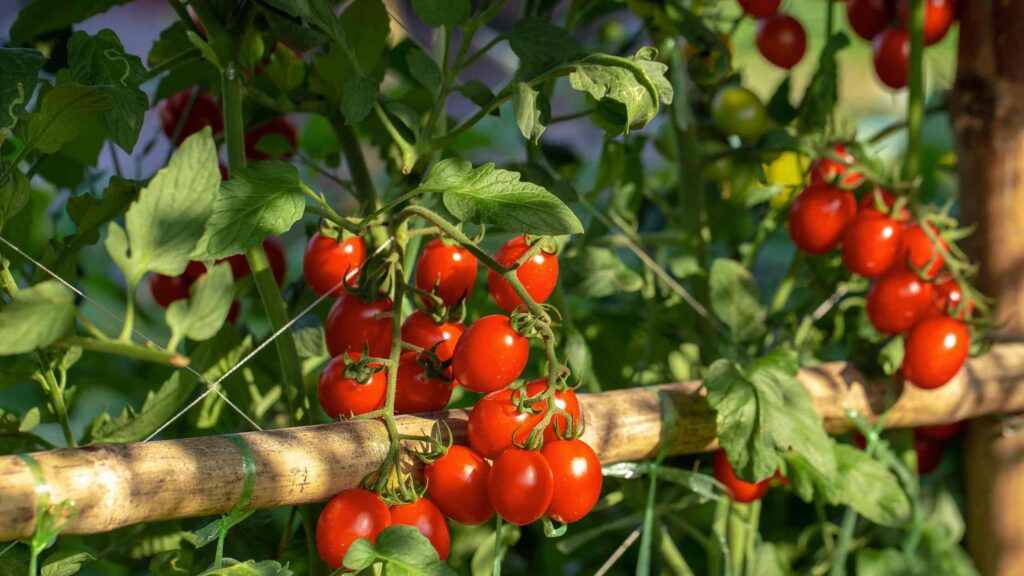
(90, 214)
(357, 97)
(35, 318)
(489, 195)
(65, 111)
(17, 66)
(602, 273)
(823, 92)
(532, 110)
(317, 12)
(540, 46)
(263, 199)
(424, 70)
(628, 90)
(42, 16)
(65, 563)
(437, 13)
(735, 301)
(477, 92)
(779, 107)
(250, 568)
(367, 27)
(13, 196)
(171, 43)
(867, 486)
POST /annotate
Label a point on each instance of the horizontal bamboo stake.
(115, 485)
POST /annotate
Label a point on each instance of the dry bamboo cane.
(115, 485)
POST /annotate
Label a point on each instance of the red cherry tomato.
(576, 471)
(417, 390)
(520, 485)
(781, 40)
(538, 275)
(939, 432)
(457, 484)
(871, 244)
(428, 520)
(489, 355)
(343, 396)
(742, 491)
(760, 8)
(349, 516)
(919, 250)
(420, 330)
(353, 324)
(934, 351)
(949, 299)
(565, 401)
(205, 112)
(168, 289)
(891, 49)
(818, 217)
(495, 420)
(327, 262)
(448, 269)
(897, 301)
(869, 17)
(870, 203)
(280, 126)
(275, 257)
(938, 18)
(929, 454)
(834, 168)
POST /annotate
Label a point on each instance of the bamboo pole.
(115, 485)
(987, 113)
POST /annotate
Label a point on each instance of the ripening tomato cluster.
(910, 293)
(781, 38)
(884, 23)
(501, 471)
(168, 289)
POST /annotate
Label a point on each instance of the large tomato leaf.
(66, 110)
(200, 316)
(19, 67)
(36, 317)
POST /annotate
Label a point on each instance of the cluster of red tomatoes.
(911, 294)
(781, 38)
(501, 471)
(884, 23)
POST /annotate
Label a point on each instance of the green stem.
(843, 545)
(56, 393)
(738, 528)
(363, 186)
(324, 210)
(786, 286)
(643, 561)
(129, 313)
(126, 349)
(915, 105)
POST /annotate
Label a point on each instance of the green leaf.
(170, 214)
(540, 46)
(885, 562)
(602, 273)
(477, 92)
(357, 97)
(735, 300)
(250, 568)
(628, 90)
(42, 16)
(90, 214)
(100, 61)
(317, 12)
(171, 43)
(65, 111)
(492, 196)
(890, 357)
(532, 109)
(286, 70)
(263, 199)
(35, 318)
(822, 94)
(437, 13)
(65, 563)
(17, 66)
(200, 316)
(360, 555)
(869, 487)
(424, 70)
(367, 26)
(209, 533)
(13, 196)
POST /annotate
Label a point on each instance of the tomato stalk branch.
(129, 350)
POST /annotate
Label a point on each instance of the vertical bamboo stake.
(987, 111)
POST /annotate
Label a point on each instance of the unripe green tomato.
(738, 111)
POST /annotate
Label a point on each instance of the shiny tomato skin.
(275, 257)
(818, 217)
(425, 517)
(781, 40)
(742, 491)
(416, 391)
(869, 203)
(566, 401)
(168, 289)
(938, 18)
(538, 275)
(760, 8)
(891, 48)
(280, 125)
(521, 485)
(448, 269)
(205, 112)
(349, 516)
(934, 351)
(489, 355)
(918, 250)
(897, 300)
(949, 298)
(420, 330)
(869, 17)
(493, 422)
(738, 111)
(576, 471)
(835, 168)
(342, 396)
(457, 484)
(326, 263)
(353, 324)
(871, 244)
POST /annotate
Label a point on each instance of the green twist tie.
(218, 529)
